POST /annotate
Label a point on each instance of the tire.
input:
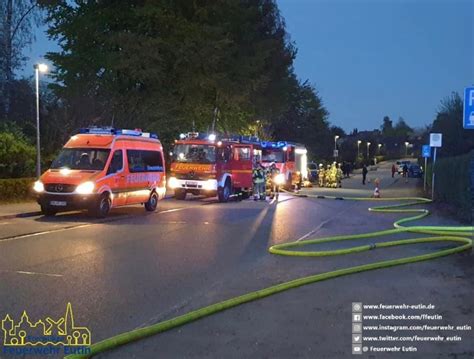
(223, 193)
(48, 211)
(152, 203)
(102, 206)
(180, 194)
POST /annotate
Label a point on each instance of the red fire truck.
(213, 165)
(291, 160)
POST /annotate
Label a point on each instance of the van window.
(144, 161)
(92, 159)
(117, 162)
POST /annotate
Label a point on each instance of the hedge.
(16, 189)
(453, 183)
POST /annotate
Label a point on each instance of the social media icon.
(356, 338)
(356, 317)
(356, 349)
(356, 307)
(356, 328)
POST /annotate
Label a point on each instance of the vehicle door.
(117, 180)
(145, 172)
(241, 165)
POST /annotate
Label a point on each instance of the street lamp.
(38, 68)
(406, 148)
(368, 146)
(379, 145)
(335, 145)
(358, 146)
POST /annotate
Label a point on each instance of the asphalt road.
(136, 269)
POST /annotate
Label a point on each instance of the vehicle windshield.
(92, 159)
(273, 155)
(194, 153)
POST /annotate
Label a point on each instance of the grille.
(60, 187)
(192, 176)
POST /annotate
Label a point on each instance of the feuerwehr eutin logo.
(45, 337)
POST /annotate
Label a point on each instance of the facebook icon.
(469, 108)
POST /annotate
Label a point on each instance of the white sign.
(436, 139)
(336, 153)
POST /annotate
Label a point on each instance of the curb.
(20, 215)
(38, 213)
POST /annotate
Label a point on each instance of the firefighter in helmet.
(321, 175)
(258, 177)
(275, 180)
(327, 176)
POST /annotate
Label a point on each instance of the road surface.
(135, 269)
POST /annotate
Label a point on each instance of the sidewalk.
(15, 210)
(389, 187)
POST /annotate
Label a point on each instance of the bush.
(17, 156)
(453, 182)
(15, 189)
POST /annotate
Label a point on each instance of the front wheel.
(180, 194)
(152, 203)
(223, 193)
(48, 211)
(102, 208)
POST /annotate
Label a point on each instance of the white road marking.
(30, 273)
(27, 235)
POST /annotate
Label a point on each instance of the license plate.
(191, 184)
(58, 203)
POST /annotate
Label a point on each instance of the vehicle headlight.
(85, 188)
(210, 185)
(38, 187)
(173, 183)
(280, 178)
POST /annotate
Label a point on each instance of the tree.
(305, 120)
(387, 126)
(449, 122)
(164, 65)
(16, 31)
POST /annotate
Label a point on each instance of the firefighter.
(339, 175)
(273, 173)
(333, 176)
(327, 176)
(258, 177)
(321, 175)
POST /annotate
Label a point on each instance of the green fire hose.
(458, 235)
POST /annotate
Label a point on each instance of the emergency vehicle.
(290, 158)
(102, 168)
(211, 165)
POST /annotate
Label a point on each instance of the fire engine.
(291, 160)
(206, 164)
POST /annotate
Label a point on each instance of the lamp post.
(379, 145)
(335, 145)
(406, 148)
(38, 68)
(368, 146)
(358, 148)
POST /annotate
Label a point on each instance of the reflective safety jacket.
(258, 175)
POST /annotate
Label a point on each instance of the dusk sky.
(371, 58)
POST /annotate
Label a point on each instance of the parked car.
(415, 171)
(400, 165)
(312, 172)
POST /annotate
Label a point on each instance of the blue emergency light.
(117, 132)
(279, 144)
